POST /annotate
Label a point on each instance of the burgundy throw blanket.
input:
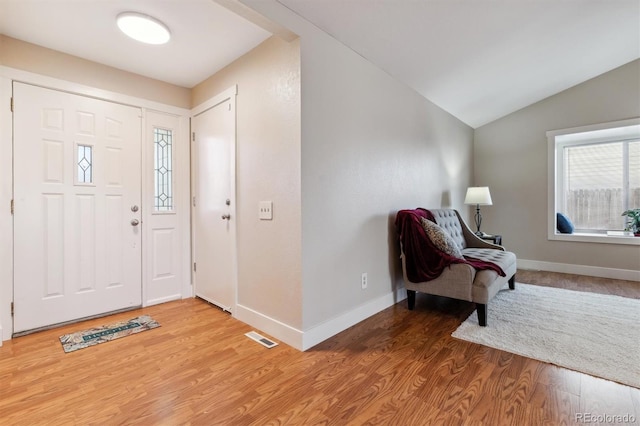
(425, 262)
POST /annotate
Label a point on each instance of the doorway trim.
(7, 76)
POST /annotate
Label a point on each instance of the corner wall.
(370, 147)
(511, 158)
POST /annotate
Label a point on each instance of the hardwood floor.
(398, 367)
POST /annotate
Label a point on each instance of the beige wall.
(511, 158)
(40, 60)
(370, 146)
(268, 169)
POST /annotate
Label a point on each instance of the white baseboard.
(593, 271)
(309, 338)
(334, 326)
(272, 327)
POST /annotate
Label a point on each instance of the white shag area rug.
(592, 333)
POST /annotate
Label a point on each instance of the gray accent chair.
(460, 280)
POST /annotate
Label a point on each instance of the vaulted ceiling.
(483, 59)
(477, 59)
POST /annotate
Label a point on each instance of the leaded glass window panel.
(163, 169)
(85, 164)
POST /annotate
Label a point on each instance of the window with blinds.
(598, 177)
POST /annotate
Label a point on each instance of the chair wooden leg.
(512, 282)
(482, 314)
(411, 299)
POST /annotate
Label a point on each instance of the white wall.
(370, 146)
(511, 158)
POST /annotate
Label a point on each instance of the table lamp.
(480, 196)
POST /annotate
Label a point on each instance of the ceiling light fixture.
(143, 28)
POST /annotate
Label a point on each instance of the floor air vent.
(261, 339)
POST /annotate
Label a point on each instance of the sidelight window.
(163, 169)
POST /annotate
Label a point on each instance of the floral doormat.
(93, 336)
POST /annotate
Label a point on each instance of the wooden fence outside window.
(599, 209)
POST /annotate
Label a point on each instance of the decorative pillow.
(563, 224)
(441, 239)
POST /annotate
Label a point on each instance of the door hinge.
(194, 201)
(11, 308)
(194, 266)
(11, 104)
(193, 136)
(12, 207)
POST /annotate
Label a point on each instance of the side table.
(497, 239)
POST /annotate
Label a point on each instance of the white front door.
(214, 211)
(77, 250)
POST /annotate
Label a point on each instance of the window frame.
(556, 140)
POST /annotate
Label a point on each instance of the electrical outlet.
(364, 280)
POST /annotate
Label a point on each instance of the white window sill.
(596, 238)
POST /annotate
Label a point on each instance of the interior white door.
(214, 210)
(77, 238)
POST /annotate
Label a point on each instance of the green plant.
(633, 220)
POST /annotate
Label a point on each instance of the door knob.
(135, 222)
(226, 216)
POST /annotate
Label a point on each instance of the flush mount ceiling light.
(143, 28)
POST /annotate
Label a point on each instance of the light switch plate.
(265, 210)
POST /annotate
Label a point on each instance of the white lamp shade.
(478, 195)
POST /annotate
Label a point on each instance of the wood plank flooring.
(395, 368)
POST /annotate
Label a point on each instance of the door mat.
(94, 336)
